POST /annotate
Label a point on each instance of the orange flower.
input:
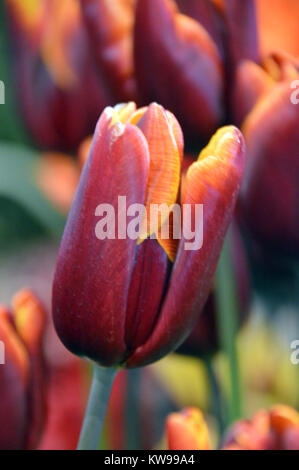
(187, 430)
(277, 429)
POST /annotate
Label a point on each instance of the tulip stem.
(217, 403)
(227, 311)
(102, 382)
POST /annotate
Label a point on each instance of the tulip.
(187, 430)
(187, 62)
(22, 407)
(276, 429)
(208, 15)
(55, 72)
(269, 196)
(178, 64)
(109, 26)
(129, 302)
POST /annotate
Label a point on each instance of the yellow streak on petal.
(14, 345)
(30, 14)
(123, 112)
(63, 22)
(135, 118)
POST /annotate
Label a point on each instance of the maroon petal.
(146, 292)
(178, 65)
(93, 276)
(214, 181)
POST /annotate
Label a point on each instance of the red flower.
(277, 429)
(129, 302)
(22, 406)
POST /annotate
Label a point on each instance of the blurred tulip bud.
(187, 430)
(110, 29)
(130, 300)
(55, 72)
(57, 176)
(277, 429)
(241, 26)
(14, 379)
(178, 64)
(203, 339)
(208, 15)
(269, 196)
(22, 407)
(253, 81)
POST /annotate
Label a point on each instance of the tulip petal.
(242, 31)
(109, 25)
(164, 175)
(187, 431)
(30, 321)
(14, 379)
(147, 288)
(214, 181)
(89, 301)
(269, 195)
(188, 74)
(251, 83)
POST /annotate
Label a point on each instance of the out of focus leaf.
(11, 124)
(17, 183)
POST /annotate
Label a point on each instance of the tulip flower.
(201, 50)
(269, 196)
(129, 302)
(22, 406)
(178, 64)
(187, 430)
(277, 429)
(55, 72)
(109, 25)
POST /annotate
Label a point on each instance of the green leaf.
(17, 183)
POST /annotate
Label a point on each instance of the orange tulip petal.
(283, 417)
(29, 317)
(164, 175)
(187, 431)
(57, 176)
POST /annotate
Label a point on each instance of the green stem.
(96, 409)
(217, 403)
(227, 310)
(133, 428)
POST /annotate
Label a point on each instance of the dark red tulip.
(204, 336)
(59, 89)
(109, 26)
(241, 30)
(208, 15)
(22, 406)
(269, 196)
(178, 64)
(129, 302)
